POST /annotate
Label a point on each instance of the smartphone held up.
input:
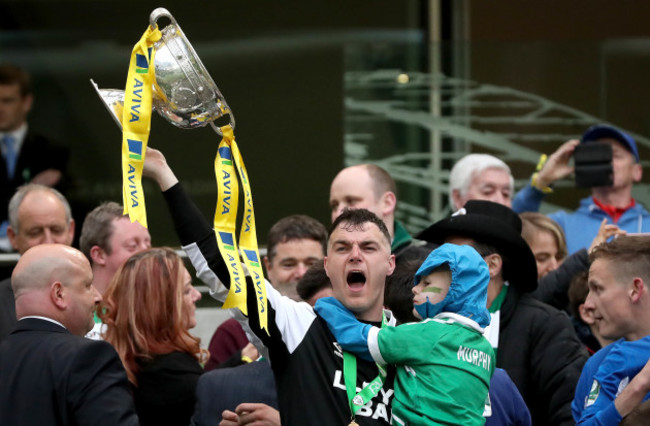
(593, 165)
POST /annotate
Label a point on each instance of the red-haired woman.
(148, 310)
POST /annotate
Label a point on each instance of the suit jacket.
(8, 319)
(36, 155)
(226, 388)
(51, 377)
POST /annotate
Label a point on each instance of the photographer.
(613, 202)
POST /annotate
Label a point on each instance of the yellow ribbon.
(136, 123)
(227, 160)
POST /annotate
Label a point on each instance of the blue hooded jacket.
(467, 295)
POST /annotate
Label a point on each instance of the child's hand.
(351, 334)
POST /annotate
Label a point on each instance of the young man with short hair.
(619, 295)
(294, 244)
(108, 238)
(444, 364)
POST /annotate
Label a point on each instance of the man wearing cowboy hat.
(535, 343)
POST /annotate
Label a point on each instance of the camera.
(593, 165)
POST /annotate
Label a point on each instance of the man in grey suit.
(49, 373)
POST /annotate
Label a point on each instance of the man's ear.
(98, 255)
(28, 102)
(57, 295)
(325, 265)
(637, 172)
(71, 232)
(391, 267)
(267, 263)
(456, 198)
(637, 290)
(495, 264)
(586, 315)
(388, 203)
(11, 234)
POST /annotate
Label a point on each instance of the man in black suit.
(38, 215)
(49, 373)
(26, 156)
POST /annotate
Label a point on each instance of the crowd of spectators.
(559, 308)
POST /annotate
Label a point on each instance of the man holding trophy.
(316, 381)
(307, 362)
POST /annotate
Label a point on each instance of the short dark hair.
(296, 227)
(355, 218)
(314, 280)
(98, 228)
(628, 254)
(578, 291)
(486, 249)
(398, 292)
(11, 74)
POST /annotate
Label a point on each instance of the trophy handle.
(216, 128)
(158, 13)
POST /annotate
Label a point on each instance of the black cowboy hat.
(496, 225)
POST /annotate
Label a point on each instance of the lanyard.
(358, 400)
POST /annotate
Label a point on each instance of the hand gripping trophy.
(166, 74)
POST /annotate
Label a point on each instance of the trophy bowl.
(184, 92)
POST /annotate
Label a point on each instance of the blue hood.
(470, 276)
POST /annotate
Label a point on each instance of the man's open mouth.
(356, 280)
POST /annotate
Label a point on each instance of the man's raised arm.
(194, 231)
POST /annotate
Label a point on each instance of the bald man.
(368, 186)
(49, 373)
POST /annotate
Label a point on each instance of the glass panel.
(513, 100)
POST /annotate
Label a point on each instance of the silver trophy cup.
(184, 93)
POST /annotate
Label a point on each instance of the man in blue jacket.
(610, 385)
(613, 203)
